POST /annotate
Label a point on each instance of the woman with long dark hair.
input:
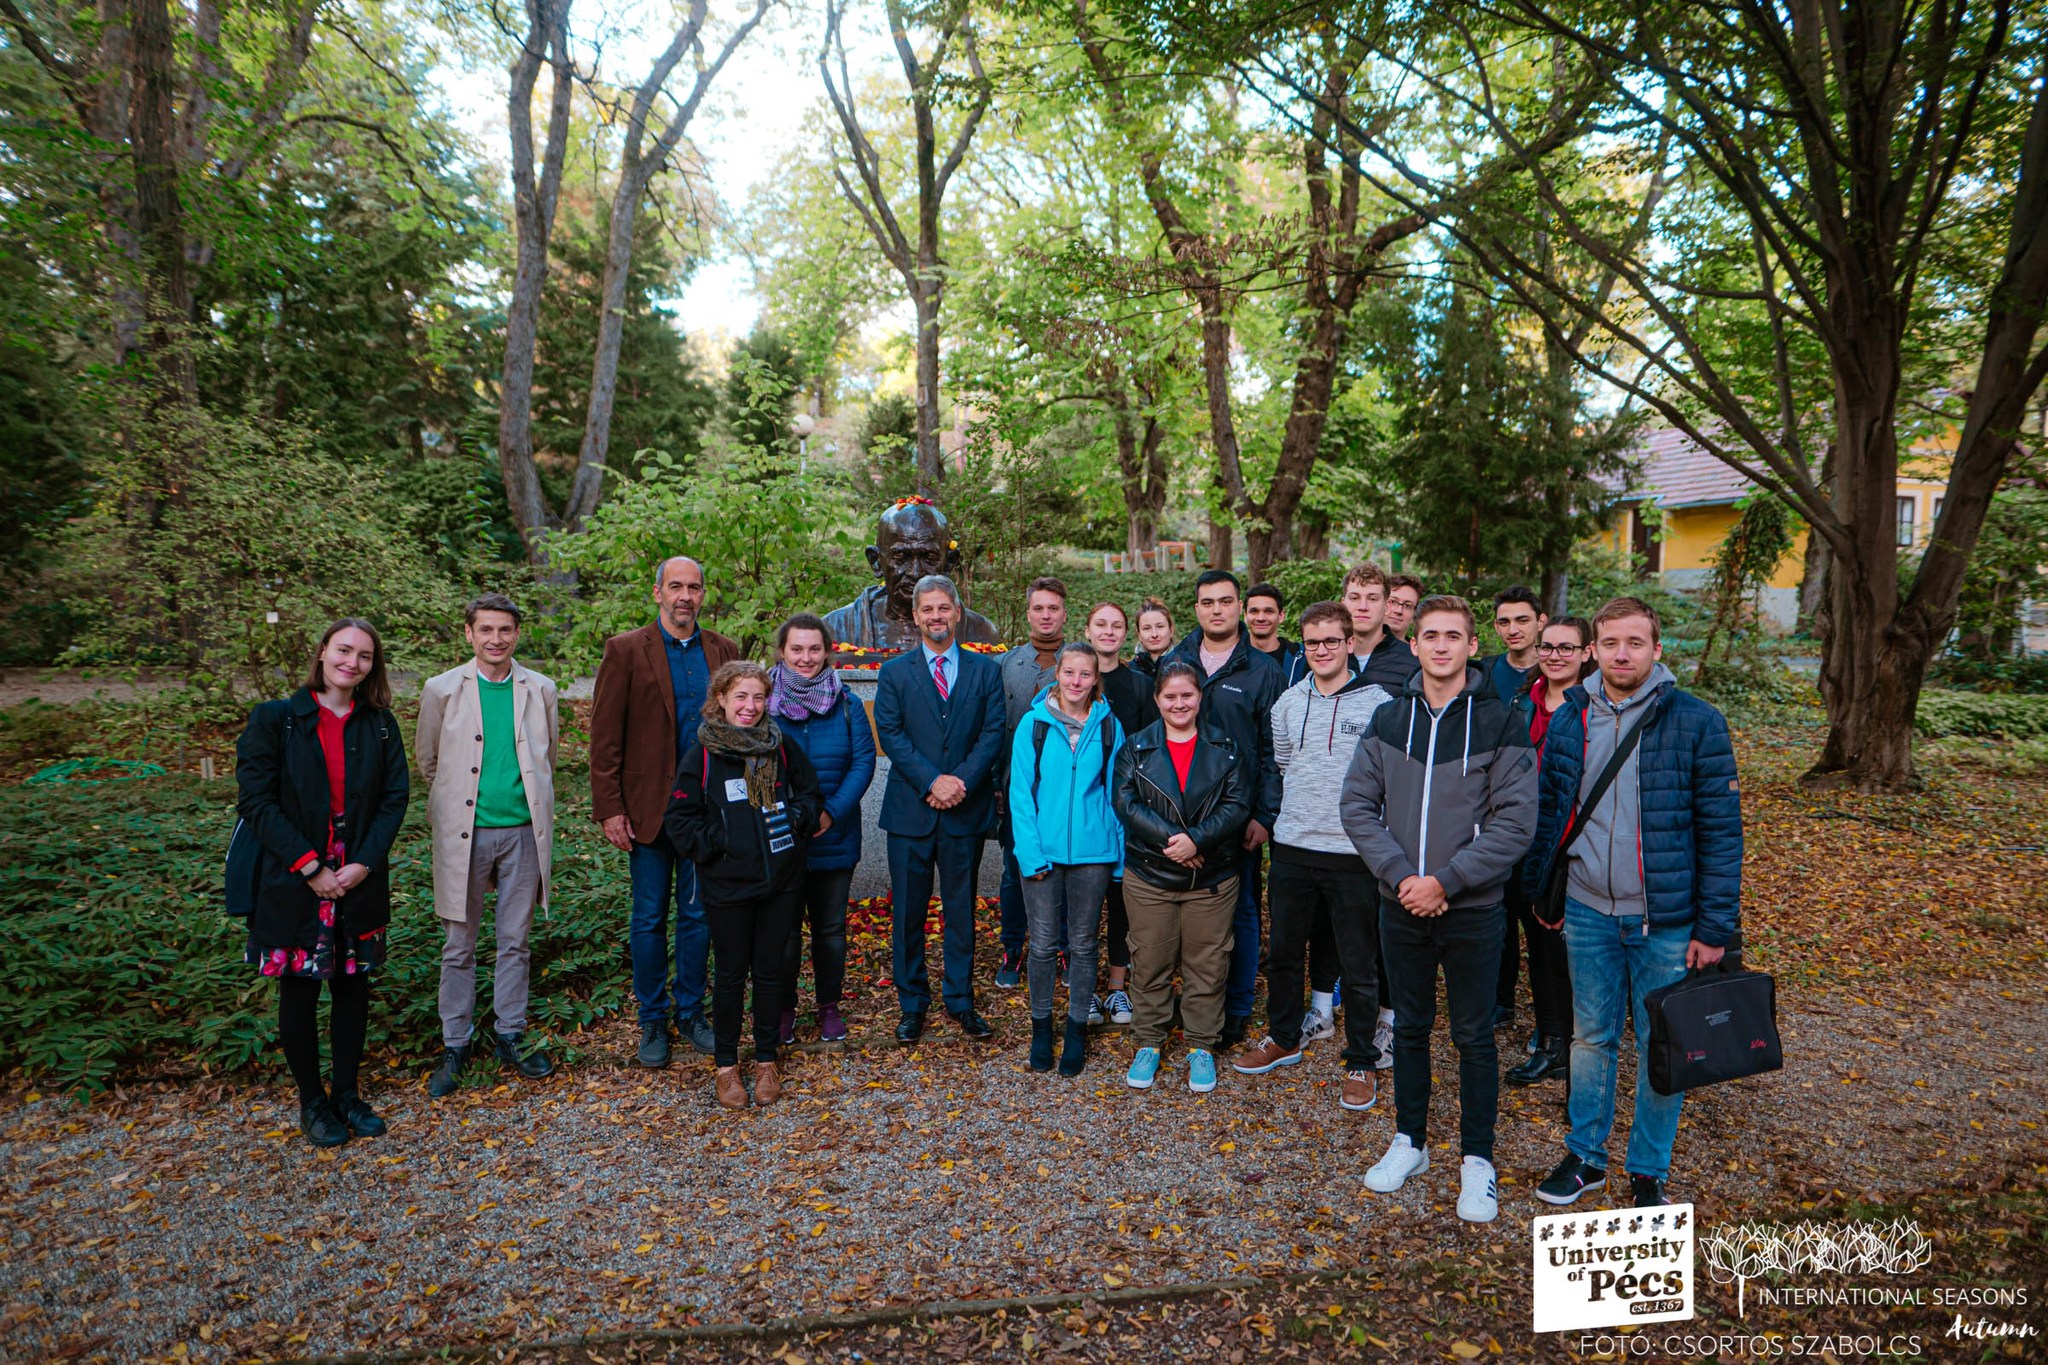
(322, 784)
(744, 808)
(828, 722)
(1564, 656)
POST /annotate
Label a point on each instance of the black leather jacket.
(1212, 811)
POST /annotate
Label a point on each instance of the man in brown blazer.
(650, 688)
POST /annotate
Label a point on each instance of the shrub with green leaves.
(2012, 715)
(115, 956)
(770, 537)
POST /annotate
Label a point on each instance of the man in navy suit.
(939, 716)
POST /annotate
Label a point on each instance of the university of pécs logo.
(1742, 1252)
(1607, 1269)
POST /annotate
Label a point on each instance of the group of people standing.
(1411, 799)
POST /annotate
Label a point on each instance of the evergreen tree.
(1498, 468)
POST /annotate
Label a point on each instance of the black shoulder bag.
(1717, 1023)
(1549, 907)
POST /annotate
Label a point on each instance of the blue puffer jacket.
(1690, 838)
(841, 746)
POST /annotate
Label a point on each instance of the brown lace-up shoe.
(1361, 1089)
(1257, 1061)
(767, 1083)
(730, 1092)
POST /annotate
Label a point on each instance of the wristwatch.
(312, 869)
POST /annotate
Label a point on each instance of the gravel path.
(196, 1220)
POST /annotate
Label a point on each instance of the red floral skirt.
(335, 950)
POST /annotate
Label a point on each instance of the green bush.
(764, 526)
(2008, 714)
(1307, 580)
(115, 956)
(1086, 587)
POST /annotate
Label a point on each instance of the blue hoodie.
(1071, 820)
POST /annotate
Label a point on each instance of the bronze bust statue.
(911, 540)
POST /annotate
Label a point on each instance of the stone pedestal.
(871, 878)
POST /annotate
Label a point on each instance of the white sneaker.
(1383, 1039)
(1318, 1025)
(1402, 1160)
(1478, 1191)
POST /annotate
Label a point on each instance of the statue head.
(911, 540)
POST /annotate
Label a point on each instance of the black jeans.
(1465, 943)
(1299, 896)
(298, 1030)
(1550, 976)
(824, 906)
(750, 937)
(1325, 967)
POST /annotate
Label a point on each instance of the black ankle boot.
(1075, 1053)
(321, 1125)
(360, 1118)
(1552, 1058)
(1041, 1044)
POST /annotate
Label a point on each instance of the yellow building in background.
(1684, 502)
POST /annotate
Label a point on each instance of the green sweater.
(500, 792)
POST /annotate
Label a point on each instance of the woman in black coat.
(744, 808)
(323, 786)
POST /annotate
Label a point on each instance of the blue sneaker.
(1010, 971)
(1201, 1071)
(1144, 1069)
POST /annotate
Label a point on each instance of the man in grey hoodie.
(1317, 724)
(1441, 803)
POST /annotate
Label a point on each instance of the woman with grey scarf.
(744, 807)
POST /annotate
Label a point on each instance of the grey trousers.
(1081, 886)
(508, 859)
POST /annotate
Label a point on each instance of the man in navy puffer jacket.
(1655, 884)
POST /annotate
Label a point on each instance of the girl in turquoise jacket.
(1069, 843)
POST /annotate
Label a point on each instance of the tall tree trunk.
(638, 165)
(534, 197)
(1870, 671)
(1141, 465)
(588, 488)
(1312, 537)
(919, 262)
(160, 216)
(1221, 551)
(931, 469)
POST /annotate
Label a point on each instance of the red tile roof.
(1675, 472)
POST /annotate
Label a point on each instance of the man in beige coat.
(486, 747)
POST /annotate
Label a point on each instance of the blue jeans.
(658, 873)
(1614, 964)
(1016, 915)
(1242, 986)
(1047, 901)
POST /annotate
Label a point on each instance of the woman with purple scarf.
(830, 724)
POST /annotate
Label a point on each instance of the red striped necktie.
(939, 677)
